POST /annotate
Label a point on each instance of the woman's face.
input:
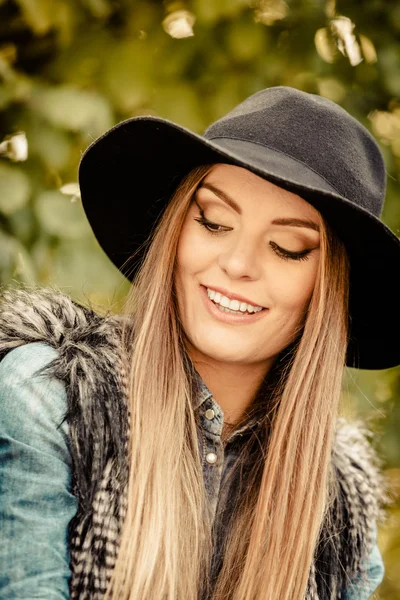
(265, 250)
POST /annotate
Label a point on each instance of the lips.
(241, 318)
(233, 296)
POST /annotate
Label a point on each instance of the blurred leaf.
(14, 188)
(368, 49)
(269, 11)
(22, 224)
(342, 28)
(225, 97)
(39, 14)
(81, 261)
(15, 147)
(179, 24)
(44, 15)
(325, 45)
(71, 189)
(211, 12)
(245, 41)
(60, 217)
(332, 88)
(179, 103)
(127, 74)
(82, 62)
(73, 109)
(15, 262)
(51, 145)
(389, 58)
(100, 9)
(15, 87)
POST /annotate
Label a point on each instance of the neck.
(233, 386)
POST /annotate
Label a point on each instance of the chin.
(222, 352)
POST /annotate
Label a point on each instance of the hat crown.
(316, 132)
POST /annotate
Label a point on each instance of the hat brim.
(127, 177)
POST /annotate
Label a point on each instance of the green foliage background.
(69, 69)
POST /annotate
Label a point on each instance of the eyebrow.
(290, 222)
(222, 196)
(297, 223)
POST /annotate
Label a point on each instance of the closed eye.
(210, 226)
(215, 229)
(287, 254)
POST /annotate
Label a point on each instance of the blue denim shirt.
(36, 503)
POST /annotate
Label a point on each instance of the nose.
(241, 260)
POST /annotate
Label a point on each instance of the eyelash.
(284, 254)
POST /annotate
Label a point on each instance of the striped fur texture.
(94, 369)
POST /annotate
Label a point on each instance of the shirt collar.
(201, 391)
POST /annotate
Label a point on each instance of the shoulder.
(25, 366)
(25, 362)
(47, 315)
(86, 363)
(27, 358)
(33, 403)
(39, 314)
(74, 347)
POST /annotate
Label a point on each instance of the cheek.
(293, 289)
(191, 259)
(184, 259)
(181, 271)
(193, 253)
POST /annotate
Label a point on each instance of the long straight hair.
(167, 540)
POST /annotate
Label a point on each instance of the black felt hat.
(299, 141)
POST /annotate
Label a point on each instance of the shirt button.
(211, 458)
(210, 414)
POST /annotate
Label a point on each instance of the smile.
(228, 315)
(232, 305)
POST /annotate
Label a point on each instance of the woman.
(201, 454)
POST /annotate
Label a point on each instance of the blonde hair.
(167, 539)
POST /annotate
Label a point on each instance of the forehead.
(249, 190)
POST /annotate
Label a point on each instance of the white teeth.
(228, 310)
(225, 302)
(234, 305)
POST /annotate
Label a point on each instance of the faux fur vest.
(92, 367)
